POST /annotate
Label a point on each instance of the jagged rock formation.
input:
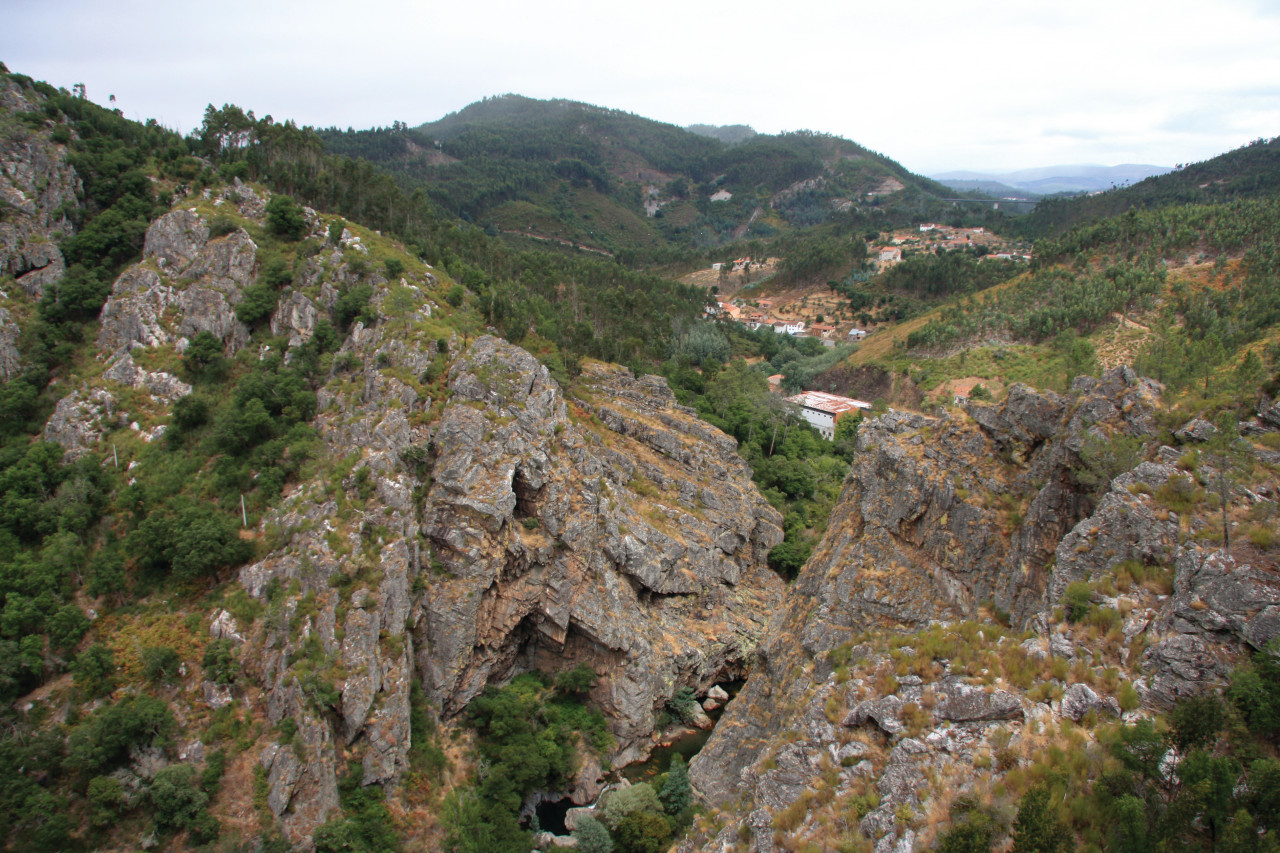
(186, 284)
(521, 531)
(10, 358)
(186, 273)
(37, 191)
(940, 515)
(630, 540)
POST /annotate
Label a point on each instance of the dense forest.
(584, 173)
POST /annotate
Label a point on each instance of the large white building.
(823, 410)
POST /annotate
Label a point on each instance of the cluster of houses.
(755, 316)
(932, 237)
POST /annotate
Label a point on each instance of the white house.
(857, 334)
(822, 410)
(721, 195)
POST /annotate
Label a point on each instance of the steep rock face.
(188, 284)
(10, 358)
(628, 537)
(938, 515)
(37, 189)
(894, 561)
(507, 535)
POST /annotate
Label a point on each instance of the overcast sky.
(995, 85)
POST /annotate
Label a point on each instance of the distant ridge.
(1047, 180)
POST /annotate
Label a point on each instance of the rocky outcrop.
(1127, 525)
(626, 537)
(10, 358)
(295, 316)
(520, 531)
(79, 420)
(189, 284)
(38, 189)
(159, 384)
(939, 516)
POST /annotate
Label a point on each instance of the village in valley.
(745, 292)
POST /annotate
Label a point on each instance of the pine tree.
(676, 795)
(1038, 829)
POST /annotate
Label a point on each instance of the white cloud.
(935, 85)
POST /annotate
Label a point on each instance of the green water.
(686, 745)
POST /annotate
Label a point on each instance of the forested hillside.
(1250, 172)
(378, 490)
(631, 186)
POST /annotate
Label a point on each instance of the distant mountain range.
(1049, 180)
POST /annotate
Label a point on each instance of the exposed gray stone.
(1195, 430)
(960, 702)
(79, 420)
(10, 359)
(883, 711)
(161, 385)
(1079, 699)
(175, 239)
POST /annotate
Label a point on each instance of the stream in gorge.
(684, 741)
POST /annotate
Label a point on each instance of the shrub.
(1128, 696)
(352, 305)
(637, 798)
(1077, 600)
(683, 704)
(221, 225)
(257, 305)
(160, 664)
(107, 800)
(591, 836)
(191, 540)
(203, 358)
(285, 219)
(94, 670)
(643, 832)
(103, 741)
(178, 802)
(676, 794)
(219, 662)
(580, 679)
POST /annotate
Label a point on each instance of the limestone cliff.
(875, 678)
(38, 191)
(508, 536)
(616, 530)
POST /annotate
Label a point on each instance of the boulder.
(963, 703)
(1195, 430)
(883, 711)
(1079, 699)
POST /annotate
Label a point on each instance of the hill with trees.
(355, 499)
(612, 181)
(1249, 172)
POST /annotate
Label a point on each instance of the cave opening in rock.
(551, 814)
(527, 495)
